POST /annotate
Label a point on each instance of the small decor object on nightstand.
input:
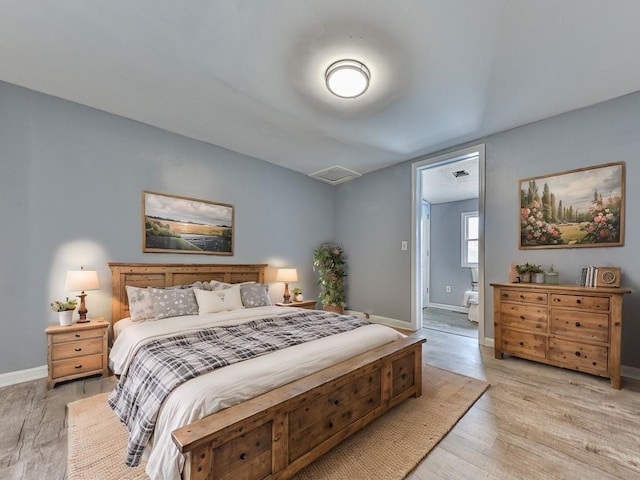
(81, 280)
(65, 309)
(297, 294)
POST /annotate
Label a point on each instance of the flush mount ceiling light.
(347, 78)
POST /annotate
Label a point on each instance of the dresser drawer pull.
(79, 366)
(521, 297)
(578, 301)
(577, 354)
(521, 317)
(78, 349)
(243, 456)
(505, 295)
(521, 344)
(577, 324)
(540, 299)
(77, 335)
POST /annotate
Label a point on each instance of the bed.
(287, 422)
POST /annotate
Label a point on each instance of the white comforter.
(235, 383)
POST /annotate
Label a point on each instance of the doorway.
(448, 190)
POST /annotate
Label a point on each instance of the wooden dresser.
(563, 325)
(77, 351)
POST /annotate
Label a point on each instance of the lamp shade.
(287, 275)
(81, 280)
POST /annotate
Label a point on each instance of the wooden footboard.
(278, 433)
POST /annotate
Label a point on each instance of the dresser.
(77, 351)
(568, 326)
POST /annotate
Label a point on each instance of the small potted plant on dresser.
(329, 262)
(523, 273)
(537, 273)
(65, 309)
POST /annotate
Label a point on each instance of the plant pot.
(525, 277)
(299, 298)
(538, 277)
(65, 317)
(334, 308)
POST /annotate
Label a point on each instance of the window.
(469, 239)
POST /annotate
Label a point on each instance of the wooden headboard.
(169, 274)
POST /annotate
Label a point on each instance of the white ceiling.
(248, 75)
(440, 185)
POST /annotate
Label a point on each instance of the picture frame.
(573, 209)
(176, 224)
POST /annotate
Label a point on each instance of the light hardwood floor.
(534, 422)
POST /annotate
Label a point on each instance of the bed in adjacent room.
(314, 379)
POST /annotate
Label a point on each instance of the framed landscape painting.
(173, 224)
(577, 208)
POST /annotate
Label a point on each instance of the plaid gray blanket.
(161, 365)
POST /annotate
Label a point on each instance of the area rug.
(388, 448)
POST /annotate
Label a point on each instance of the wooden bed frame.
(276, 434)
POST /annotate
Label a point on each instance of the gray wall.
(446, 245)
(381, 202)
(71, 181)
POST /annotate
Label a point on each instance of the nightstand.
(308, 304)
(77, 351)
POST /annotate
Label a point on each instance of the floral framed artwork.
(174, 224)
(577, 208)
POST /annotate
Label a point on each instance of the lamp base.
(83, 309)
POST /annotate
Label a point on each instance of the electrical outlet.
(447, 288)
(404, 245)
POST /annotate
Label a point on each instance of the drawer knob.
(77, 335)
(577, 354)
(521, 317)
(522, 344)
(522, 297)
(540, 299)
(578, 301)
(243, 456)
(78, 349)
(79, 366)
(577, 324)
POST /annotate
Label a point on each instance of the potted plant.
(65, 310)
(329, 262)
(537, 273)
(523, 272)
(297, 294)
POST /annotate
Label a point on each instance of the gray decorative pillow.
(173, 303)
(197, 284)
(254, 295)
(215, 285)
(140, 304)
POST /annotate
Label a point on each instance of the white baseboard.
(389, 322)
(12, 378)
(453, 308)
(489, 342)
(630, 372)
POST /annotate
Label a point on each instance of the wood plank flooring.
(534, 422)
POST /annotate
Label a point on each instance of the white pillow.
(218, 300)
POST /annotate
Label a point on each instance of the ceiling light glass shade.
(347, 78)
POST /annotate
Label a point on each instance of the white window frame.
(464, 250)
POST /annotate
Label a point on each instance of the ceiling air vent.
(335, 175)
(460, 173)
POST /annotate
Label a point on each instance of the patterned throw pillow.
(174, 302)
(218, 300)
(140, 304)
(254, 295)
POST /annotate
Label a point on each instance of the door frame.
(416, 232)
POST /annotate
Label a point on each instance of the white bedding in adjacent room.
(235, 383)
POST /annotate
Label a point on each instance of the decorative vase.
(539, 277)
(65, 317)
(299, 297)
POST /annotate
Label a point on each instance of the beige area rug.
(389, 448)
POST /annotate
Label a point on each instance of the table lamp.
(287, 275)
(81, 280)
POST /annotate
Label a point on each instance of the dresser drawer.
(73, 366)
(523, 296)
(578, 356)
(527, 317)
(581, 302)
(580, 325)
(91, 346)
(526, 345)
(77, 335)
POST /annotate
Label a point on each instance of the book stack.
(589, 276)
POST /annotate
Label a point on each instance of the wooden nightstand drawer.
(92, 346)
(76, 336)
(582, 302)
(74, 366)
